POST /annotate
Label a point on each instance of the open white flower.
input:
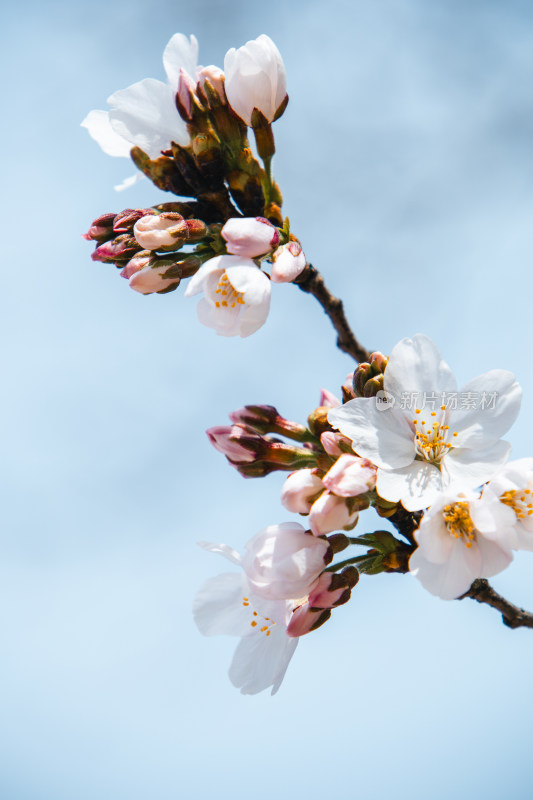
(236, 298)
(506, 506)
(145, 114)
(453, 549)
(255, 78)
(227, 605)
(422, 451)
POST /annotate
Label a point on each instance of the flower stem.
(312, 282)
(346, 563)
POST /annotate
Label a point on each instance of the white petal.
(495, 557)
(416, 485)
(99, 127)
(145, 114)
(261, 661)
(452, 578)
(127, 182)
(218, 607)
(180, 53)
(434, 540)
(494, 519)
(384, 437)
(464, 469)
(476, 425)
(222, 549)
(415, 365)
(196, 283)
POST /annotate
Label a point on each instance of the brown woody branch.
(512, 616)
(312, 282)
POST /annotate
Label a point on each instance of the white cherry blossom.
(453, 548)
(236, 298)
(255, 78)
(227, 605)
(506, 506)
(145, 114)
(422, 451)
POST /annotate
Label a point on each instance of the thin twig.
(312, 282)
(512, 616)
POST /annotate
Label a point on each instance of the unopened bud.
(210, 86)
(162, 230)
(368, 377)
(120, 249)
(124, 222)
(318, 421)
(249, 237)
(101, 229)
(288, 262)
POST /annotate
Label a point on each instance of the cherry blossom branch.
(312, 282)
(512, 616)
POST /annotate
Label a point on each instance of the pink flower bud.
(284, 561)
(161, 230)
(249, 237)
(331, 513)
(185, 93)
(350, 476)
(332, 443)
(288, 262)
(121, 248)
(225, 439)
(101, 229)
(135, 264)
(328, 399)
(151, 279)
(215, 76)
(331, 590)
(300, 490)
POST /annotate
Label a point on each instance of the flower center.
(459, 523)
(520, 501)
(228, 296)
(431, 436)
(257, 619)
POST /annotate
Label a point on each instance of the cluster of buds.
(146, 244)
(233, 226)
(369, 375)
(328, 482)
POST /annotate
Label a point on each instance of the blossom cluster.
(427, 457)
(189, 136)
(447, 469)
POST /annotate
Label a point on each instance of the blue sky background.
(406, 160)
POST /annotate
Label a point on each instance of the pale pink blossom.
(228, 605)
(350, 476)
(505, 510)
(249, 236)
(284, 561)
(331, 513)
(288, 261)
(300, 490)
(255, 78)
